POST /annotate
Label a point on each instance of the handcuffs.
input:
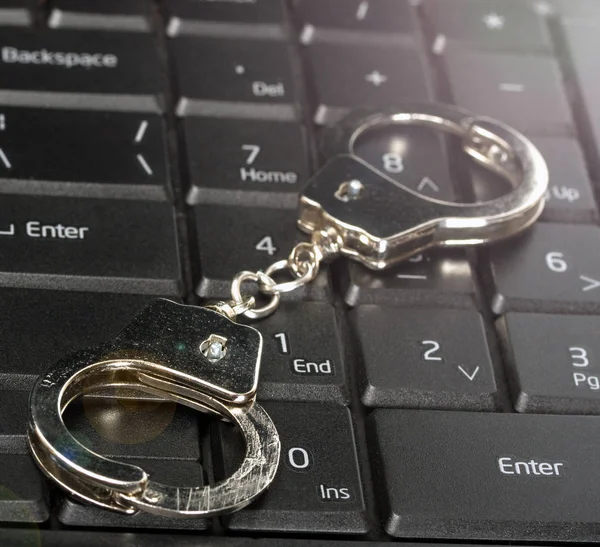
(202, 358)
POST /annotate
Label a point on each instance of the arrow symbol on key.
(426, 181)
(593, 283)
(469, 376)
(9, 232)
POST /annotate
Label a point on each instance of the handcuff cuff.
(202, 358)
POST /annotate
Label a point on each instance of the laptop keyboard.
(157, 148)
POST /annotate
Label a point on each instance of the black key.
(486, 476)
(91, 538)
(416, 157)
(238, 162)
(439, 278)
(554, 362)
(301, 356)
(14, 407)
(569, 9)
(239, 79)
(262, 19)
(372, 78)
(23, 495)
(136, 429)
(55, 323)
(381, 16)
(112, 154)
(15, 12)
(131, 15)
(317, 487)
(232, 239)
(88, 244)
(501, 25)
(582, 40)
(551, 268)
(180, 473)
(524, 91)
(569, 197)
(418, 359)
(100, 70)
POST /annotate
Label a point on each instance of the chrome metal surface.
(390, 222)
(159, 353)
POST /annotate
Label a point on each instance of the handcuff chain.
(303, 263)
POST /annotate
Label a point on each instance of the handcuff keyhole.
(350, 190)
(214, 348)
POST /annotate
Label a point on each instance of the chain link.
(303, 265)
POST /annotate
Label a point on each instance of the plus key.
(551, 268)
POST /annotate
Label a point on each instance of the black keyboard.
(157, 148)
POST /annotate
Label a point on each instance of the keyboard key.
(88, 244)
(301, 356)
(501, 25)
(317, 487)
(441, 278)
(421, 164)
(392, 17)
(131, 15)
(551, 268)
(262, 19)
(15, 12)
(23, 494)
(14, 406)
(182, 473)
(238, 162)
(418, 359)
(99, 70)
(56, 323)
(571, 9)
(371, 79)
(582, 40)
(524, 91)
(553, 361)
(239, 79)
(248, 239)
(119, 428)
(569, 197)
(112, 154)
(489, 476)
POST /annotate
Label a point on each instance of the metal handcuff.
(202, 358)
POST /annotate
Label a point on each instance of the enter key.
(488, 476)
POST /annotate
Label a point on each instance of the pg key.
(553, 362)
